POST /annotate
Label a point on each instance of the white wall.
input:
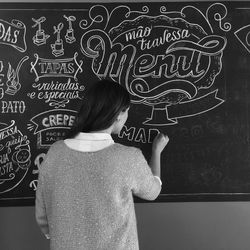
(161, 226)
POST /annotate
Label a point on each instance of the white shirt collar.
(89, 142)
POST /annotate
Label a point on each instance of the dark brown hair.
(102, 103)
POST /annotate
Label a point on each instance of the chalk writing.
(138, 135)
(56, 93)
(169, 49)
(12, 107)
(14, 157)
(69, 67)
(13, 34)
(38, 161)
(51, 125)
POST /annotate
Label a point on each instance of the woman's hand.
(159, 143)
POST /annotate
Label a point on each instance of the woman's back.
(88, 198)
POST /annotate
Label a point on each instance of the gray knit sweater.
(84, 200)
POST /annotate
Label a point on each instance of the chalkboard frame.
(223, 79)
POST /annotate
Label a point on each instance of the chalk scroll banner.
(185, 65)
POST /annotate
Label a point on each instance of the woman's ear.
(121, 115)
(120, 121)
(118, 118)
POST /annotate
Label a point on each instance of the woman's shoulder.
(52, 153)
(126, 149)
(129, 155)
(56, 146)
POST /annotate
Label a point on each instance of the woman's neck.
(104, 131)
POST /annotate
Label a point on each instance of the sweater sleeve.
(145, 184)
(40, 210)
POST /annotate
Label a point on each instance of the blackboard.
(185, 64)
